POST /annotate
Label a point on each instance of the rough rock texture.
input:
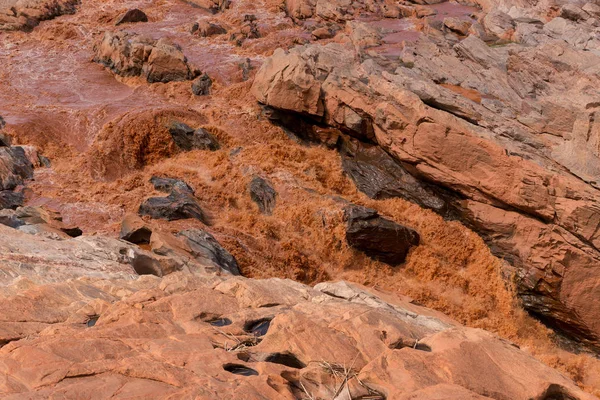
(202, 245)
(198, 339)
(378, 237)
(132, 15)
(27, 14)
(201, 85)
(132, 55)
(179, 204)
(15, 167)
(188, 139)
(489, 125)
(263, 194)
(135, 230)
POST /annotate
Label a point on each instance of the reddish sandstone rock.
(508, 179)
(211, 337)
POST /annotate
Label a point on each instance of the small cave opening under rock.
(239, 369)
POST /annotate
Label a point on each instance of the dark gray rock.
(131, 16)
(188, 139)
(201, 86)
(15, 167)
(179, 204)
(10, 199)
(379, 176)
(204, 247)
(263, 194)
(173, 207)
(169, 185)
(378, 237)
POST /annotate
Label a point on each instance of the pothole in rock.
(220, 322)
(92, 320)
(287, 359)
(258, 327)
(239, 369)
(415, 345)
(214, 319)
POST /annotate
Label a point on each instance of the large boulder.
(179, 204)
(128, 54)
(378, 237)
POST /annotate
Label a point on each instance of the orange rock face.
(174, 175)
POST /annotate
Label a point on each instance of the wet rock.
(15, 167)
(173, 207)
(378, 237)
(263, 194)
(5, 140)
(201, 86)
(10, 199)
(169, 185)
(128, 54)
(26, 15)
(135, 230)
(206, 29)
(249, 30)
(179, 204)
(206, 249)
(131, 16)
(188, 139)
(379, 176)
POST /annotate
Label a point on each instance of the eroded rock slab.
(128, 54)
(191, 336)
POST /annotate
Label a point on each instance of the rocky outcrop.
(179, 204)
(485, 129)
(378, 237)
(27, 14)
(128, 54)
